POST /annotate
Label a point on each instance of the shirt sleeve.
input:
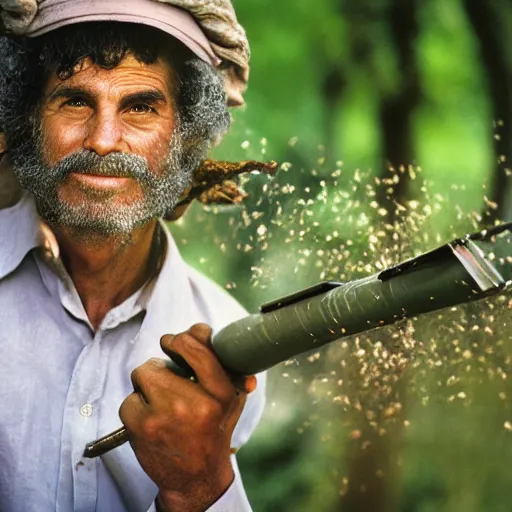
(233, 500)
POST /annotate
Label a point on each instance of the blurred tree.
(382, 40)
(492, 22)
(397, 106)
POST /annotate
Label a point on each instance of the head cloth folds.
(216, 18)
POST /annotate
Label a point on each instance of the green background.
(415, 417)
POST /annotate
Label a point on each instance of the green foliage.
(320, 72)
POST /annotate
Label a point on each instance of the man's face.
(108, 152)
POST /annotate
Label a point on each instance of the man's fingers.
(184, 369)
(131, 411)
(201, 359)
(202, 333)
(235, 410)
(244, 386)
(250, 384)
(145, 378)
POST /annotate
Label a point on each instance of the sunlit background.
(391, 121)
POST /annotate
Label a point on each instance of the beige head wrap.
(218, 21)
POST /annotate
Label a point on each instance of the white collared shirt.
(62, 383)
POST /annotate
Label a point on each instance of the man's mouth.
(100, 180)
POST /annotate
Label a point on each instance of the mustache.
(119, 165)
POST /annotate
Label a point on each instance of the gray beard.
(99, 216)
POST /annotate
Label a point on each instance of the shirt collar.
(19, 233)
(167, 298)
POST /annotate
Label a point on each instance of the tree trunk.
(377, 425)
(333, 87)
(397, 108)
(492, 22)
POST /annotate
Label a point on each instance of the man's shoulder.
(182, 295)
(215, 299)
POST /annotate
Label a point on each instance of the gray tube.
(453, 274)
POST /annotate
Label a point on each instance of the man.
(107, 110)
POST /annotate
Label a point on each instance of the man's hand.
(181, 429)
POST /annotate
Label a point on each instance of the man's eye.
(75, 103)
(141, 108)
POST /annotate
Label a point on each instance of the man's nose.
(104, 134)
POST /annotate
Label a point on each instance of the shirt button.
(86, 410)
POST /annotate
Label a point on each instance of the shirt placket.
(80, 426)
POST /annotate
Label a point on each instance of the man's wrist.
(199, 498)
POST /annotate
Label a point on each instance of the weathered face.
(128, 109)
(108, 148)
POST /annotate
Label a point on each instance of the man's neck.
(107, 271)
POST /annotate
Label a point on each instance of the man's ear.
(3, 144)
(10, 188)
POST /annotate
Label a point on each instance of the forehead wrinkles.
(128, 76)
